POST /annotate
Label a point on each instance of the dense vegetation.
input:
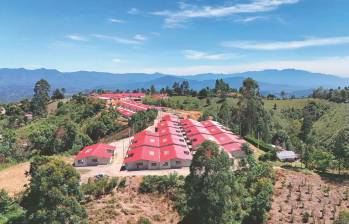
(142, 119)
(340, 95)
(213, 193)
(68, 127)
(313, 128)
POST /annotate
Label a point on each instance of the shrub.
(259, 143)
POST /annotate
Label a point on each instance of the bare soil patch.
(307, 198)
(13, 179)
(128, 206)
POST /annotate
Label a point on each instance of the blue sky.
(175, 37)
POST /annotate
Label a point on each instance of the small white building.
(94, 155)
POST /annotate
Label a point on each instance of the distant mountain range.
(16, 84)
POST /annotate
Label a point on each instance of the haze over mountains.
(16, 84)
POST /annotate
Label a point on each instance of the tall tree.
(41, 98)
(53, 194)
(58, 94)
(224, 114)
(253, 118)
(340, 147)
(211, 188)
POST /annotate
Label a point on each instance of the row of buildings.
(165, 148)
(174, 142)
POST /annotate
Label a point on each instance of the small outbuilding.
(287, 156)
(94, 155)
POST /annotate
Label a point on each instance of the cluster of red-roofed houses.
(163, 149)
(171, 145)
(127, 104)
(121, 96)
(174, 141)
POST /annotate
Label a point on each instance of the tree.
(250, 114)
(283, 94)
(307, 125)
(224, 114)
(282, 139)
(57, 94)
(96, 130)
(152, 89)
(185, 89)
(211, 188)
(53, 194)
(10, 211)
(343, 218)
(176, 89)
(340, 148)
(203, 93)
(321, 160)
(221, 88)
(40, 98)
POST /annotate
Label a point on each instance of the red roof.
(96, 150)
(194, 130)
(169, 117)
(134, 106)
(175, 152)
(120, 95)
(225, 138)
(171, 140)
(144, 140)
(169, 131)
(124, 112)
(145, 132)
(214, 130)
(200, 138)
(142, 153)
(167, 124)
(210, 123)
(190, 122)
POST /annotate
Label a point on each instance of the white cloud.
(119, 21)
(199, 55)
(331, 65)
(140, 37)
(76, 37)
(250, 19)
(117, 39)
(133, 11)
(116, 60)
(175, 18)
(282, 45)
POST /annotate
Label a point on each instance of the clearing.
(308, 196)
(128, 206)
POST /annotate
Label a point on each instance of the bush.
(259, 143)
(96, 188)
(143, 220)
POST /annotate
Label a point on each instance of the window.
(153, 164)
(194, 140)
(186, 152)
(151, 153)
(181, 140)
(165, 164)
(178, 162)
(80, 161)
(166, 152)
(95, 160)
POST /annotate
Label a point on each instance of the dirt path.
(13, 178)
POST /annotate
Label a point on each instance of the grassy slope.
(334, 120)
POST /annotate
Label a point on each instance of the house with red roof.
(94, 155)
